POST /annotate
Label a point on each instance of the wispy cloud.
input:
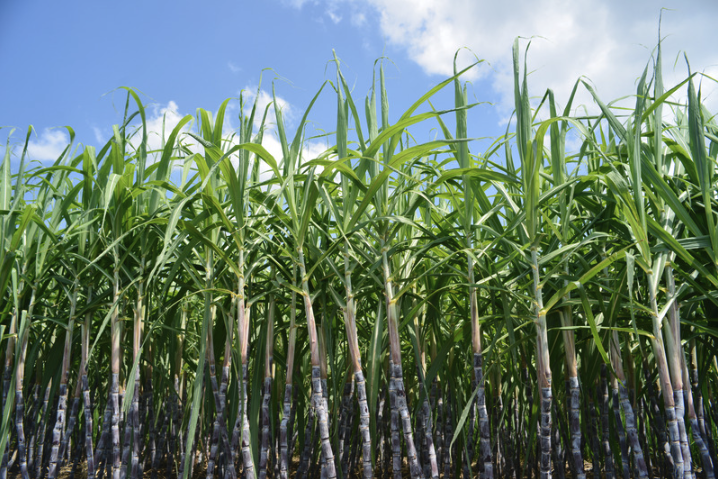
(233, 68)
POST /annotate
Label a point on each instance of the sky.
(63, 62)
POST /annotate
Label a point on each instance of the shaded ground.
(201, 472)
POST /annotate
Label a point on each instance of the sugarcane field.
(398, 304)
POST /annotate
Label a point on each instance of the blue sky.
(63, 61)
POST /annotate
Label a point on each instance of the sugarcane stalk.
(25, 322)
(7, 376)
(618, 421)
(574, 393)
(176, 398)
(395, 351)
(395, 437)
(101, 450)
(484, 432)
(317, 395)
(698, 425)
(530, 455)
(115, 376)
(308, 443)
(631, 427)
(230, 457)
(698, 437)
(72, 420)
(355, 358)
(667, 465)
(267, 396)
(129, 421)
(214, 444)
(39, 464)
(85, 329)
(675, 362)
(62, 399)
(543, 370)
(345, 412)
(34, 423)
(241, 433)
(449, 434)
(605, 431)
(284, 427)
(558, 452)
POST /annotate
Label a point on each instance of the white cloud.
(264, 99)
(160, 123)
(49, 145)
(608, 42)
(170, 115)
(233, 68)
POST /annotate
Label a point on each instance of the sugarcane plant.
(392, 306)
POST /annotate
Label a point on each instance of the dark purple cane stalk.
(355, 358)
(383, 458)
(698, 398)
(574, 408)
(214, 444)
(320, 406)
(545, 432)
(283, 441)
(439, 427)
(246, 451)
(344, 413)
(57, 431)
(667, 465)
(19, 401)
(101, 451)
(35, 417)
(115, 359)
(414, 466)
(353, 454)
(559, 462)
(642, 435)
(72, 420)
(126, 441)
(172, 427)
(486, 459)
(55, 453)
(530, 451)
(364, 422)
(618, 421)
(430, 452)
(484, 431)
(395, 437)
(308, 444)
(265, 417)
(317, 395)
(449, 435)
(695, 415)
(88, 425)
(243, 320)
(48, 412)
(605, 431)
(631, 426)
(136, 427)
(594, 423)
